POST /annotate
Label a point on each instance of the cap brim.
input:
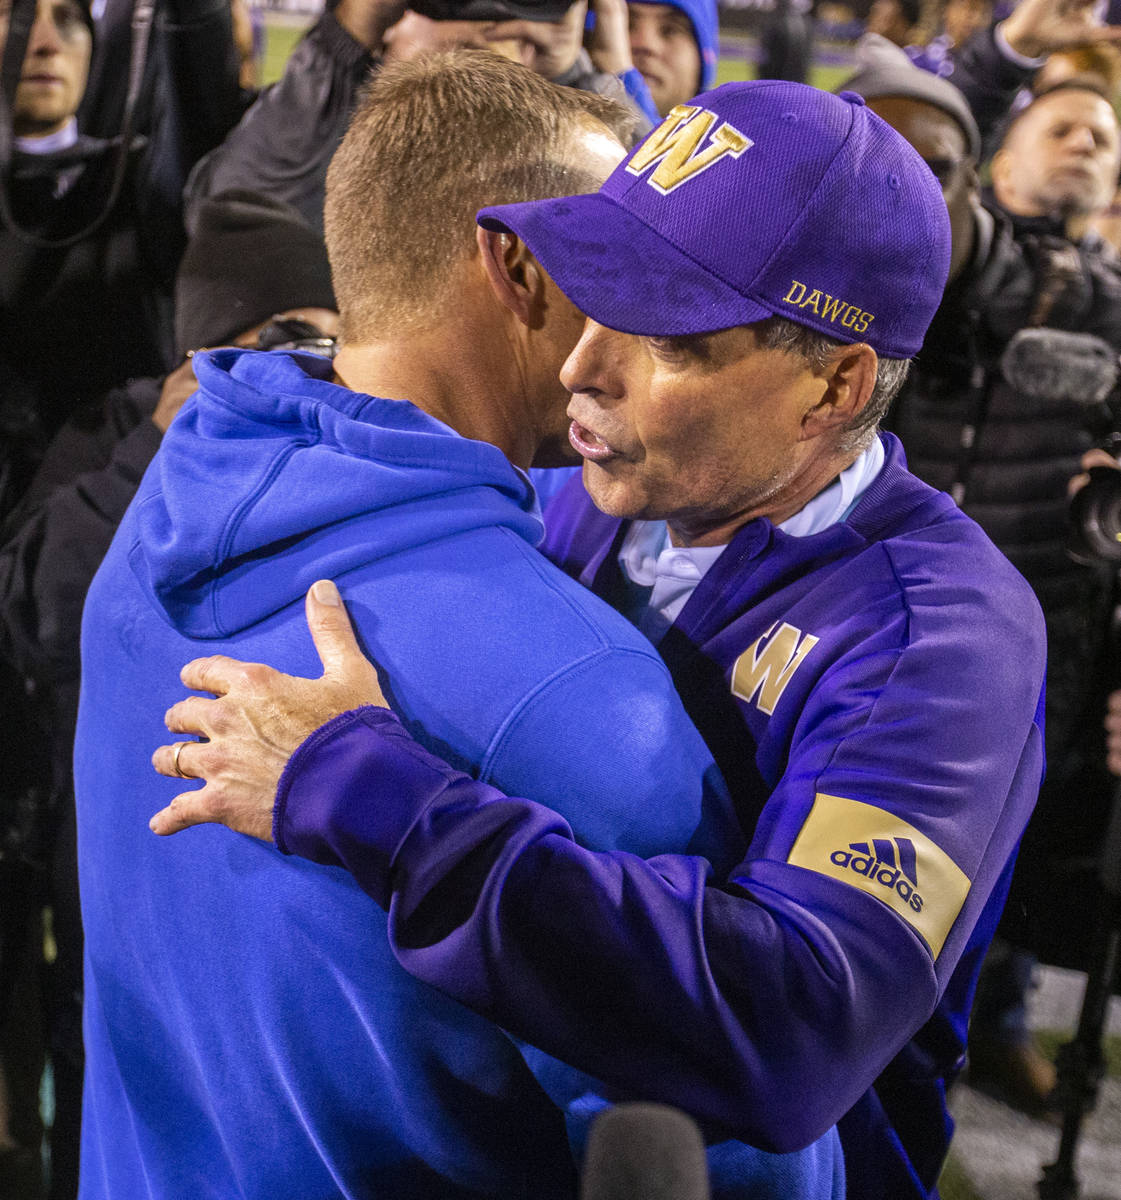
(618, 271)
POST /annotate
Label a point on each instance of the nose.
(45, 37)
(643, 40)
(592, 367)
(1081, 138)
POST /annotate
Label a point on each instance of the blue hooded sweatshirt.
(249, 1032)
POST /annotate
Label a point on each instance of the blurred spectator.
(996, 64)
(1107, 223)
(1000, 409)
(959, 21)
(675, 48)
(786, 42)
(1058, 163)
(1097, 66)
(90, 234)
(248, 260)
(247, 29)
(86, 267)
(283, 144)
(672, 47)
(894, 20)
(201, 42)
(1057, 168)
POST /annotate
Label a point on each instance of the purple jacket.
(873, 696)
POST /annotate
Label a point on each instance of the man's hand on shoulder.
(257, 721)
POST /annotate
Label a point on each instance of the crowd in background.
(155, 200)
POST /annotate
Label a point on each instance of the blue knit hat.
(702, 16)
(759, 199)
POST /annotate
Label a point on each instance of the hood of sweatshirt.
(272, 476)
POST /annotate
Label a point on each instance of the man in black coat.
(1011, 393)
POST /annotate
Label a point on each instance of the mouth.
(590, 445)
(1079, 170)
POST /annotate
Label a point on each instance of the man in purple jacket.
(865, 666)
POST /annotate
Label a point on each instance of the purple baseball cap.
(755, 200)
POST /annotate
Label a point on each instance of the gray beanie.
(913, 83)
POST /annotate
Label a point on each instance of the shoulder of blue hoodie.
(274, 476)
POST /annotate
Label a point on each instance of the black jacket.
(1006, 450)
(78, 320)
(50, 548)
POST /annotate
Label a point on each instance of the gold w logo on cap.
(674, 147)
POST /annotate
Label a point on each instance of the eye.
(67, 18)
(684, 348)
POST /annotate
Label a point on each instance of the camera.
(1095, 519)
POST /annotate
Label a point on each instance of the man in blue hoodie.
(248, 1029)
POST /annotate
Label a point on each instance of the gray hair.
(816, 349)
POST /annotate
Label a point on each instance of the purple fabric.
(774, 1000)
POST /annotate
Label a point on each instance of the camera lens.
(1095, 518)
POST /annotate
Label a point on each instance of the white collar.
(61, 139)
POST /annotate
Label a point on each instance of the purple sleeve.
(780, 996)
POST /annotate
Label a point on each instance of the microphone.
(1050, 364)
(644, 1152)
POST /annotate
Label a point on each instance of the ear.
(849, 377)
(515, 278)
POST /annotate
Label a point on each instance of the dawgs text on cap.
(756, 199)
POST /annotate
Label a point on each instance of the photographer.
(1008, 396)
(91, 229)
(248, 259)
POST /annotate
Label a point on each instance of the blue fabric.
(636, 87)
(248, 1030)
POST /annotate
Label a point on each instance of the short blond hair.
(433, 141)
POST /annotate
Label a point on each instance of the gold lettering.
(831, 307)
(769, 667)
(811, 300)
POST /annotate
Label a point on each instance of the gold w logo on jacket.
(674, 147)
(768, 665)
